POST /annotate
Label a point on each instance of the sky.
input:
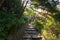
(29, 2)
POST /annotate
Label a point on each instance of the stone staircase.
(31, 32)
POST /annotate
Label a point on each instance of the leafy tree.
(52, 18)
(11, 12)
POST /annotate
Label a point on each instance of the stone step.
(30, 29)
(32, 32)
(32, 36)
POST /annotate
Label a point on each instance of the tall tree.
(10, 16)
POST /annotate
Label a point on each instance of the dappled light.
(29, 19)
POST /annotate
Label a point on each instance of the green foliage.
(50, 27)
(13, 6)
(39, 25)
(57, 17)
(11, 16)
(8, 21)
(48, 35)
(45, 5)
